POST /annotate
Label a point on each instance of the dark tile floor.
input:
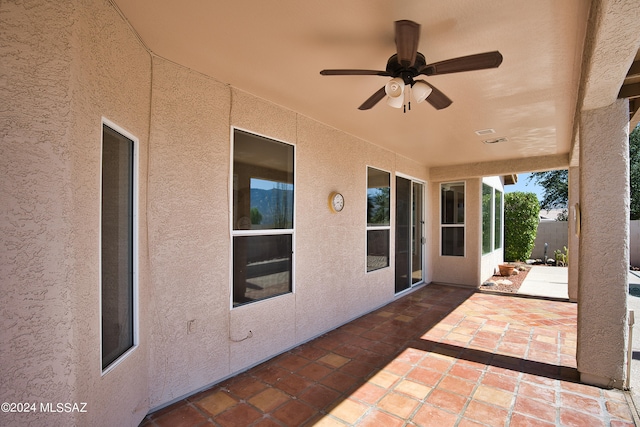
(441, 356)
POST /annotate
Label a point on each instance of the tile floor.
(441, 356)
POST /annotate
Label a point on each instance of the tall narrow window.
(487, 218)
(491, 219)
(117, 245)
(262, 218)
(378, 218)
(452, 218)
(497, 244)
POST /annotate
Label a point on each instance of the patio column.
(604, 245)
(573, 240)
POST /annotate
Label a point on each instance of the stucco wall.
(66, 65)
(189, 233)
(75, 64)
(555, 234)
(36, 310)
(188, 230)
(604, 249)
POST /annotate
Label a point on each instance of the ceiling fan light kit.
(421, 91)
(395, 88)
(395, 102)
(405, 65)
(395, 92)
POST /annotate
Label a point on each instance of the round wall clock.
(336, 202)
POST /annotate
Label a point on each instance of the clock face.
(337, 202)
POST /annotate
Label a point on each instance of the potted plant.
(506, 269)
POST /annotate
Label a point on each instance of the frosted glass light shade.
(395, 88)
(395, 102)
(420, 91)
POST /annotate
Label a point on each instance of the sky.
(525, 185)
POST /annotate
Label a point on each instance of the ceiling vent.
(495, 141)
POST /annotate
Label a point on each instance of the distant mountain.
(273, 204)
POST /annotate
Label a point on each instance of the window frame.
(491, 231)
(498, 233)
(462, 225)
(234, 232)
(134, 243)
(495, 219)
(377, 227)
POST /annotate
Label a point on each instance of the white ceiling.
(275, 49)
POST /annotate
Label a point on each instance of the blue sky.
(525, 185)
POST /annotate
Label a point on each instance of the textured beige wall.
(498, 168)
(75, 64)
(188, 231)
(555, 234)
(573, 238)
(36, 199)
(66, 65)
(604, 249)
(189, 237)
(94, 66)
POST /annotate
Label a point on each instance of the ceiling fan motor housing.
(395, 69)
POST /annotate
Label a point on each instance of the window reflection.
(452, 218)
(261, 267)
(271, 204)
(262, 183)
(378, 218)
(378, 197)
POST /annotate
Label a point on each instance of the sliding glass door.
(409, 254)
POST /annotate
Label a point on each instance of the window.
(262, 218)
(497, 242)
(378, 218)
(487, 215)
(491, 219)
(452, 218)
(117, 237)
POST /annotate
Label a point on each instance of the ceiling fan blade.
(479, 61)
(436, 98)
(373, 99)
(354, 73)
(407, 38)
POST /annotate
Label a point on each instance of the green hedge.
(521, 217)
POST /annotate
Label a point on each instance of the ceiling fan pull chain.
(407, 98)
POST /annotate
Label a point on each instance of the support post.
(604, 245)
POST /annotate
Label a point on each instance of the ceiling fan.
(407, 64)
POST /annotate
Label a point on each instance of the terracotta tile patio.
(441, 356)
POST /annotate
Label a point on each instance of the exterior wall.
(189, 236)
(454, 269)
(604, 246)
(555, 234)
(35, 136)
(65, 65)
(573, 230)
(78, 63)
(189, 178)
(188, 231)
(489, 262)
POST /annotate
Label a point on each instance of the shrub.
(521, 217)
